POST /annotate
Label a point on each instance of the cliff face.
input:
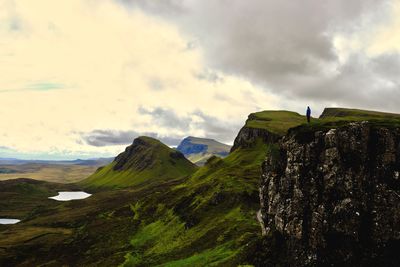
(332, 197)
(248, 136)
(268, 126)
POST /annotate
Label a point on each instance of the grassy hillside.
(356, 114)
(336, 117)
(185, 216)
(21, 198)
(145, 162)
(275, 121)
(207, 220)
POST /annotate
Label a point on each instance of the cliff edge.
(330, 196)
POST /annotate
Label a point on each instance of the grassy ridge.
(145, 162)
(205, 218)
(209, 219)
(275, 121)
(356, 113)
(337, 117)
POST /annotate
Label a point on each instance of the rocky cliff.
(331, 197)
(248, 136)
(268, 126)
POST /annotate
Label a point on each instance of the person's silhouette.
(308, 113)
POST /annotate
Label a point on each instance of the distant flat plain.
(47, 172)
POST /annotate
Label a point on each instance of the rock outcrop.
(331, 197)
(248, 136)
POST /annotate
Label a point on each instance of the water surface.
(9, 221)
(70, 195)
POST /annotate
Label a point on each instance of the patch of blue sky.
(45, 86)
(8, 152)
(39, 86)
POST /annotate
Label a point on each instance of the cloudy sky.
(83, 78)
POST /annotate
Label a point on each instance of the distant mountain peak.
(198, 149)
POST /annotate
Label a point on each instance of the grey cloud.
(101, 138)
(287, 46)
(165, 117)
(109, 137)
(209, 75)
(363, 83)
(221, 130)
(159, 7)
(156, 84)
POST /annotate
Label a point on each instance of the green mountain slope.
(178, 215)
(336, 117)
(275, 121)
(22, 197)
(356, 113)
(209, 219)
(145, 162)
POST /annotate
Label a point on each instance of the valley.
(153, 207)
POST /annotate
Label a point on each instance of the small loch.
(70, 195)
(9, 221)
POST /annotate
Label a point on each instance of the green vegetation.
(145, 162)
(198, 150)
(21, 198)
(338, 117)
(357, 113)
(155, 209)
(275, 121)
(209, 218)
(199, 159)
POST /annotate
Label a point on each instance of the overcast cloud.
(100, 138)
(211, 127)
(288, 47)
(87, 77)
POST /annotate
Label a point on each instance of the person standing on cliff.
(308, 113)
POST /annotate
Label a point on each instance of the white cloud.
(322, 53)
(72, 67)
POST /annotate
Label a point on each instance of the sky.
(83, 78)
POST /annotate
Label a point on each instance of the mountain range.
(287, 194)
